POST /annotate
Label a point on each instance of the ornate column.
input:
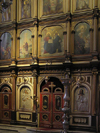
(34, 75)
(65, 40)
(68, 5)
(68, 35)
(13, 112)
(13, 56)
(72, 41)
(35, 40)
(95, 3)
(18, 46)
(32, 45)
(91, 40)
(36, 105)
(95, 34)
(34, 95)
(66, 82)
(95, 53)
(0, 46)
(39, 45)
(99, 41)
(94, 72)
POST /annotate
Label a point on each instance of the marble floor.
(5, 128)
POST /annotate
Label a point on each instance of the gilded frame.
(34, 42)
(73, 99)
(47, 103)
(4, 105)
(13, 14)
(81, 117)
(20, 85)
(60, 101)
(33, 11)
(40, 10)
(74, 10)
(74, 24)
(13, 45)
(24, 113)
(40, 45)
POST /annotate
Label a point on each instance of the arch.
(5, 86)
(58, 90)
(52, 79)
(45, 90)
(43, 78)
(24, 30)
(4, 33)
(51, 26)
(87, 98)
(81, 22)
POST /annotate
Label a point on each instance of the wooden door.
(45, 107)
(58, 103)
(51, 100)
(5, 105)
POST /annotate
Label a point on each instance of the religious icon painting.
(52, 6)
(26, 9)
(58, 102)
(82, 4)
(52, 42)
(6, 14)
(5, 48)
(25, 100)
(45, 101)
(6, 101)
(81, 99)
(82, 39)
(25, 44)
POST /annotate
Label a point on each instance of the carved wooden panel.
(5, 104)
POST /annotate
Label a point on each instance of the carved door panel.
(57, 104)
(51, 100)
(45, 108)
(5, 106)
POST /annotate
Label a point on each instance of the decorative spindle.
(66, 109)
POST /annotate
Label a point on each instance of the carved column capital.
(11, 38)
(99, 29)
(35, 23)
(18, 38)
(73, 31)
(65, 33)
(32, 36)
(91, 30)
(13, 74)
(94, 71)
(34, 73)
(95, 13)
(69, 18)
(40, 35)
